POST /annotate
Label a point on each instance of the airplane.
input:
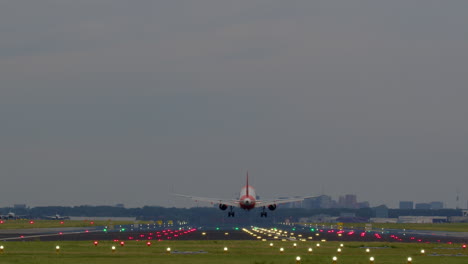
(11, 215)
(247, 201)
(56, 217)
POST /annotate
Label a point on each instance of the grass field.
(253, 252)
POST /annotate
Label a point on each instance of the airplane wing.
(281, 201)
(211, 200)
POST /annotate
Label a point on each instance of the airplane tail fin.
(247, 185)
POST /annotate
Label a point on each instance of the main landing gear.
(263, 213)
(231, 212)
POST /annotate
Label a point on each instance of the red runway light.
(122, 243)
(148, 243)
(96, 243)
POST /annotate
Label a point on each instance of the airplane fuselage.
(247, 198)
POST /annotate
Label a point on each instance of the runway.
(129, 233)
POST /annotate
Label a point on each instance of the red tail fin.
(247, 186)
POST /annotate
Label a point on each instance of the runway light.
(464, 246)
(294, 245)
(225, 249)
(334, 260)
(298, 260)
(271, 244)
(31, 222)
(281, 250)
(1, 249)
(410, 260)
(122, 243)
(96, 243)
(423, 252)
(113, 249)
(148, 243)
(371, 260)
(338, 250)
(310, 250)
(318, 245)
(57, 249)
(341, 245)
(367, 250)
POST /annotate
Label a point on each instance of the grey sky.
(105, 102)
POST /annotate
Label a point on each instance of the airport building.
(422, 206)
(437, 205)
(406, 205)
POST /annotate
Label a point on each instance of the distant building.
(348, 201)
(19, 206)
(437, 205)
(326, 201)
(422, 219)
(363, 204)
(406, 205)
(422, 206)
(381, 211)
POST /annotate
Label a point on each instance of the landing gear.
(230, 213)
(263, 213)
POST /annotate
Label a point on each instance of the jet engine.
(272, 207)
(223, 207)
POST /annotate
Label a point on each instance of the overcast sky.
(109, 101)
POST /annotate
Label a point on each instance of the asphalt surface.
(223, 234)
